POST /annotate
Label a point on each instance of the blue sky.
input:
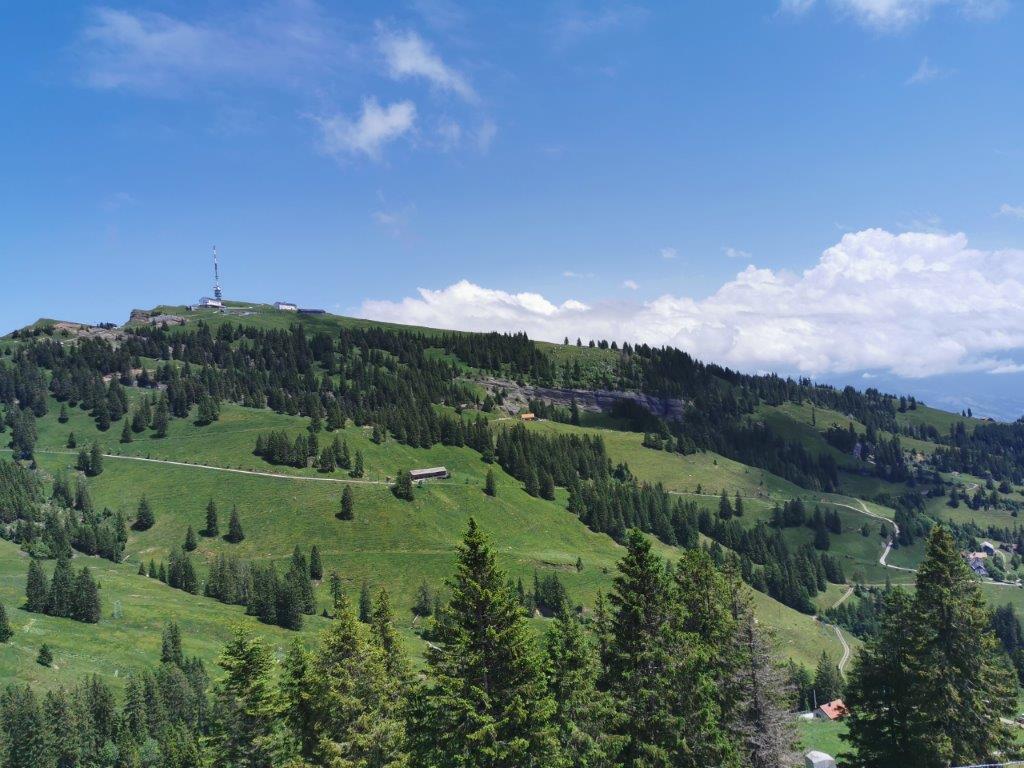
(805, 186)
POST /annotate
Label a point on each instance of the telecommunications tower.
(217, 294)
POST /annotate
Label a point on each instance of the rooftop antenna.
(216, 277)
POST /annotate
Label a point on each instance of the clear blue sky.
(631, 158)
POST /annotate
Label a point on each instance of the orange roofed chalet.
(834, 710)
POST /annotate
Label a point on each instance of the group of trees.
(66, 594)
(930, 685)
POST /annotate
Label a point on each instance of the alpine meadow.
(572, 385)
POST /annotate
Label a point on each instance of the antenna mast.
(216, 276)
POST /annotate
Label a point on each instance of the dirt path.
(257, 473)
(846, 648)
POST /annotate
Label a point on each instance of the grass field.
(389, 543)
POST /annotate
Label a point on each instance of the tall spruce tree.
(37, 587)
(347, 504)
(246, 729)
(24, 729)
(144, 518)
(365, 603)
(316, 566)
(485, 704)
(6, 633)
(212, 526)
(828, 682)
(235, 533)
(584, 716)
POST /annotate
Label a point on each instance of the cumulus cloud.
(892, 15)
(409, 55)
(366, 135)
(1016, 211)
(913, 304)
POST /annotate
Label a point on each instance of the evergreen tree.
(23, 727)
(486, 703)
(37, 587)
(884, 724)
(384, 636)
(584, 714)
(245, 732)
(86, 598)
(212, 527)
(316, 567)
(95, 460)
(235, 533)
(357, 467)
(60, 598)
(6, 633)
(45, 656)
(489, 485)
(170, 650)
(759, 684)
(828, 682)
(190, 540)
(126, 432)
(347, 504)
(423, 604)
(144, 517)
(738, 505)
(403, 485)
(63, 417)
(725, 510)
(71, 443)
(365, 603)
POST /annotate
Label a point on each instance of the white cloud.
(668, 253)
(574, 275)
(893, 15)
(1017, 211)
(734, 253)
(913, 304)
(925, 71)
(485, 135)
(284, 44)
(374, 128)
(631, 284)
(572, 25)
(408, 55)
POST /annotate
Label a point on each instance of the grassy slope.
(392, 543)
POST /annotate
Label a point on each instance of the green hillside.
(401, 544)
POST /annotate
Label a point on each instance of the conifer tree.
(828, 682)
(21, 719)
(884, 725)
(402, 489)
(45, 656)
(365, 603)
(490, 488)
(357, 467)
(6, 633)
(725, 510)
(235, 533)
(486, 702)
(347, 504)
(423, 604)
(60, 598)
(245, 731)
(584, 715)
(384, 636)
(63, 417)
(71, 443)
(737, 507)
(212, 527)
(170, 651)
(152, 569)
(190, 540)
(95, 460)
(761, 695)
(144, 517)
(142, 568)
(126, 432)
(316, 567)
(37, 587)
(86, 598)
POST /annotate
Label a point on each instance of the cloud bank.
(913, 304)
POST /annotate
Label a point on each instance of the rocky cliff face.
(518, 396)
